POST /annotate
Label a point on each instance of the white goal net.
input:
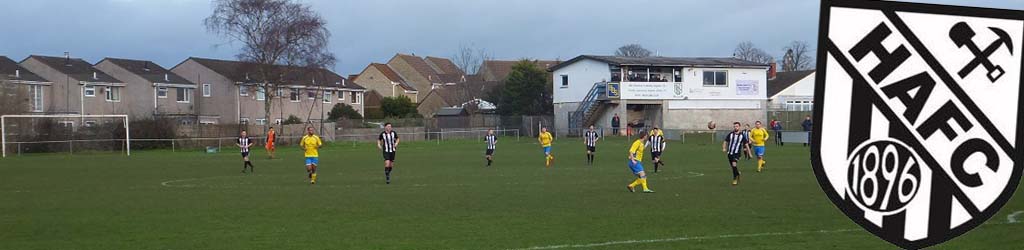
(27, 134)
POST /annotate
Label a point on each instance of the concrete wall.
(370, 134)
(697, 119)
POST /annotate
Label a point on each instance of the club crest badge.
(918, 116)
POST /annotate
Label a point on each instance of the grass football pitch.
(441, 197)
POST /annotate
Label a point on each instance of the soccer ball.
(711, 125)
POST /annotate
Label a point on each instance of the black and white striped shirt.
(244, 141)
(657, 143)
(491, 140)
(590, 138)
(388, 140)
(746, 133)
(735, 142)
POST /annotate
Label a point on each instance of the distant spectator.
(776, 126)
(615, 124)
(807, 124)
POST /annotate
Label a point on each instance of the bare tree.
(470, 59)
(273, 33)
(633, 50)
(747, 51)
(798, 56)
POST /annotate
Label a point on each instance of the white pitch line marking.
(686, 238)
(1012, 218)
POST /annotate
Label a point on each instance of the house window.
(277, 121)
(161, 92)
(261, 94)
(357, 98)
(90, 91)
(311, 94)
(565, 81)
(243, 120)
(341, 95)
(261, 121)
(243, 90)
(295, 95)
(280, 92)
(206, 90)
(184, 95)
(113, 94)
(328, 95)
(37, 97)
(715, 78)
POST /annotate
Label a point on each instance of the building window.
(243, 120)
(261, 94)
(184, 95)
(206, 90)
(277, 121)
(243, 90)
(295, 95)
(357, 98)
(113, 94)
(90, 91)
(328, 96)
(616, 74)
(37, 97)
(341, 95)
(565, 81)
(311, 94)
(715, 78)
(677, 75)
(261, 121)
(161, 92)
(280, 93)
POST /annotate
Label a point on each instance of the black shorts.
(734, 157)
(490, 152)
(245, 154)
(592, 148)
(655, 155)
(389, 156)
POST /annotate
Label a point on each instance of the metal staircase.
(589, 108)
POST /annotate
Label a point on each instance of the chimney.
(167, 78)
(772, 70)
(17, 73)
(94, 76)
(145, 66)
(342, 81)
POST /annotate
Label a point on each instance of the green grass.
(441, 198)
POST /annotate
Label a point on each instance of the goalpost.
(67, 117)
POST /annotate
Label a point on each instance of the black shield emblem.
(918, 122)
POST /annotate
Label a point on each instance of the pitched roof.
(785, 79)
(664, 61)
(450, 111)
(444, 65)
(75, 68)
(246, 72)
(501, 68)
(465, 91)
(420, 66)
(392, 75)
(10, 70)
(450, 78)
(148, 70)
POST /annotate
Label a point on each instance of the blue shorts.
(312, 161)
(547, 150)
(759, 150)
(637, 168)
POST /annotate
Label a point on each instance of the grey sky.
(365, 31)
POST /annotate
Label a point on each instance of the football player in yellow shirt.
(545, 139)
(635, 162)
(758, 136)
(311, 144)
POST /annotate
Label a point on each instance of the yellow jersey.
(311, 143)
(545, 139)
(758, 136)
(637, 150)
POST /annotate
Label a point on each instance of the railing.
(589, 103)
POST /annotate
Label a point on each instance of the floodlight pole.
(3, 135)
(128, 138)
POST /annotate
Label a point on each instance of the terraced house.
(156, 92)
(24, 91)
(231, 92)
(79, 88)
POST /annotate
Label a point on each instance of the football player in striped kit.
(733, 145)
(244, 143)
(590, 140)
(387, 142)
(492, 142)
(657, 142)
